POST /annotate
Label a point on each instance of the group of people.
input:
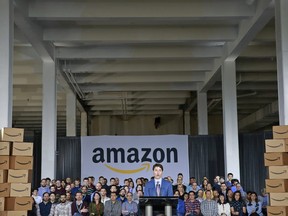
(74, 198)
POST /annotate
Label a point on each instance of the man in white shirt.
(104, 197)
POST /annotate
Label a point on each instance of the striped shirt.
(209, 208)
(63, 209)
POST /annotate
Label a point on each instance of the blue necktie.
(158, 189)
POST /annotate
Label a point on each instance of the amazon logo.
(23, 163)
(280, 200)
(21, 176)
(274, 186)
(272, 213)
(279, 173)
(13, 135)
(4, 148)
(5, 190)
(133, 155)
(23, 204)
(4, 162)
(19, 190)
(26, 149)
(273, 159)
(277, 146)
(280, 132)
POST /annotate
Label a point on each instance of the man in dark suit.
(158, 186)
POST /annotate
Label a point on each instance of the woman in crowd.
(204, 184)
(96, 207)
(185, 196)
(181, 190)
(208, 188)
(254, 207)
(138, 188)
(238, 206)
(180, 205)
(223, 206)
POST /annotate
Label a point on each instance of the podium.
(158, 204)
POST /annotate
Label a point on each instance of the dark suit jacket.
(166, 188)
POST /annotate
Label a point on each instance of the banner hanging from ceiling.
(133, 156)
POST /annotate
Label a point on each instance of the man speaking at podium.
(158, 186)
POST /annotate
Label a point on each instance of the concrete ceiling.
(146, 57)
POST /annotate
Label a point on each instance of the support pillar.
(187, 128)
(202, 113)
(49, 120)
(281, 20)
(230, 119)
(6, 62)
(70, 114)
(84, 124)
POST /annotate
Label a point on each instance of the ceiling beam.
(138, 34)
(34, 35)
(137, 95)
(259, 51)
(138, 102)
(178, 52)
(259, 65)
(192, 86)
(140, 77)
(139, 112)
(89, 10)
(158, 65)
(135, 107)
(259, 115)
(248, 30)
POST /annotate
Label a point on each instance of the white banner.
(133, 156)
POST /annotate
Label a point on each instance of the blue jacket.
(166, 188)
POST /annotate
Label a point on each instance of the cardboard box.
(276, 185)
(4, 162)
(4, 148)
(276, 145)
(277, 210)
(22, 149)
(279, 199)
(280, 132)
(18, 203)
(12, 134)
(19, 176)
(276, 159)
(278, 172)
(3, 176)
(5, 190)
(2, 203)
(20, 189)
(21, 162)
(13, 213)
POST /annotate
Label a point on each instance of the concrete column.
(230, 120)
(187, 127)
(84, 124)
(281, 20)
(49, 120)
(202, 113)
(6, 62)
(70, 114)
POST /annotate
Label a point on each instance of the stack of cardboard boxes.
(276, 158)
(16, 164)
